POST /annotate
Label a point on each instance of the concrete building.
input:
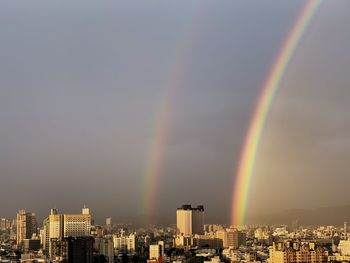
(184, 241)
(108, 221)
(125, 243)
(343, 254)
(235, 238)
(31, 244)
(208, 228)
(190, 220)
(344, 247)
(76, 225)
(5, 224)
(53, 227)
(26, 226)
(208, 241)
(231, 237)
(105, 247)
(156, 252)
(58, 226)
(73, 249)
(297, 252)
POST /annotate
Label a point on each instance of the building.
(79, 249)
(5, 224)
(235, 238)
(109, 222)
(184, 241)
(125, 243)
(53, 229)
(58, 249)
(58, 226)
(343, 254)
(214, 259)
(26, 226)
(73, 249)
(105, 247)
(76, 225)
(31, 244)
(190, 220)
(297, 252)
(213, 228)
(156, 252)
(208, 241)
(344, 247)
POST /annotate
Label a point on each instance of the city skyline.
(136, 109)
(75, 238)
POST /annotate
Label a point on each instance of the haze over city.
(84, 84)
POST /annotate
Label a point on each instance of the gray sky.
(81, 84)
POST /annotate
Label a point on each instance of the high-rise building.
(5, 224)
(31, 244)
(76, 225)
(109, 225)
(105, 247)
(58, 226)
(53, 228)
(190, 220)
(26, 225)
(73, 249)
(156, 251)
(235, 238)
(55, 224)
(125, 243)
(109, 222)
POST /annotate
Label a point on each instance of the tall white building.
(125, 243)
(53, 227)
(55, 224)
(58, 226)
(156, 251)
(190, 220)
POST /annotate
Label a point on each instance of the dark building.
(73, 249)
(79, 249)
(58, 249)
(31, 244)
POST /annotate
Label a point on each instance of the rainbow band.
(248, 156)
(154, 169)
(156, 155)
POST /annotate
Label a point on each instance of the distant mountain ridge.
(332, 215)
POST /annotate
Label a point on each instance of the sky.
(82, 84)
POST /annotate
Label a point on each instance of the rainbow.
(269, 90)
(154, 168)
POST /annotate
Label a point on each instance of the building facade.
(73, 249)
(297, 252)
(26, 226)
(59, 226)
(190, 220)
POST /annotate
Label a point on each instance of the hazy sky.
(82, 83)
